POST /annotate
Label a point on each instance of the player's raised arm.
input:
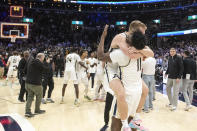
(100, 51)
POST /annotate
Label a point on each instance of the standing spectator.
(48, 80)
(58, 65)
(6, 68)
(92, 67)
(1, 67)
(22, 76)
(189, 76)
(33, 85)
(148, 66)
(174, 72)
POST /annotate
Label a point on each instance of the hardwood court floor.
(89, 116)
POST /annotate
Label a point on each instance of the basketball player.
(120, 41)
(12, 65)
(70, 73)
(82, 72)
(92, 67)
(106, 57)
(99, 83)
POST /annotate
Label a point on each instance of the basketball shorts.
(132, 99)
(12, 72)
(70, 75)
(82, 78)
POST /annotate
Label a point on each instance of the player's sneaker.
(135, 124)
(87, 97)
(50, 100)
(62, 101)
(76, 102)
(188, 107)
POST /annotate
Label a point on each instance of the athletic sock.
(125, 123)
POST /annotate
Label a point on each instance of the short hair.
(137, 39)
(26, 54)
(172, 48)
(81, 52)
(187, 53)
(40, 55)
(134, 25)
(15, 53)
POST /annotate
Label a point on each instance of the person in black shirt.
(33, 85)
(189, 76)
(174, 72)
(1, 67)
(59, 65)
(22, 76)
(48, 80)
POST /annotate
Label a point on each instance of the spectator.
(174, 72)
(1, 67)
(22, 76)
(33, 84)
(189, 76)
(48, 80)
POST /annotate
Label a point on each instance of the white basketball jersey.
(71, 61)
(14, 61)
(81, 69)
(130, 70)
(92, 61)
(99, 69)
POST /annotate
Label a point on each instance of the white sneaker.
(173, 108)
(62, 101)
(77, 103)
(188, 107)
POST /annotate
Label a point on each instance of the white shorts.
(12, 72)
(82, 79)
(99, 78)
(132, 101)
(70, 75)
